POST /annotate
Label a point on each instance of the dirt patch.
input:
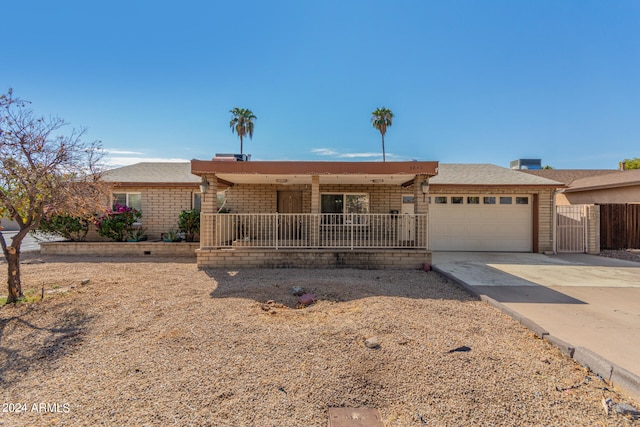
(160, 343)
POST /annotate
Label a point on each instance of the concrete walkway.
(588, 306)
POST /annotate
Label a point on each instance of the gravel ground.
(625, 254)
(161, 343)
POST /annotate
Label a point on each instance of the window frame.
(127, 194)
(347, 218)
(344, 202)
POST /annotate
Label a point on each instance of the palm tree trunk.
(384, 158)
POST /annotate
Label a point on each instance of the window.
(473, 200)
(344, 203)
(408, 199)
(505, 200)
(457, 200)
(522, 200)
(489, 200)
(133, 200)
(441, 200)
(196, 201)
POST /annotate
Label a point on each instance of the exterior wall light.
(204, 185)
(425, 187)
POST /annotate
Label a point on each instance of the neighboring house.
(593, 186)
(617, 187)
(483, 207)
(160, 190)
(606, 202)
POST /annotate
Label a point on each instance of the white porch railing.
(276, 231)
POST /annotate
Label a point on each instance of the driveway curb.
(614, 374)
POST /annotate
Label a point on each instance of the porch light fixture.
(424, 187)
(204, 185)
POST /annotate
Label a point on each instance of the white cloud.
(358, 155)
(324, 152)
(116, 151)
(329, 152)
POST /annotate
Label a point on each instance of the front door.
(407, 220)
(289, 203)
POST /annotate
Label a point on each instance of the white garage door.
(480, 223)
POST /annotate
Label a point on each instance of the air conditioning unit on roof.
(232, 157)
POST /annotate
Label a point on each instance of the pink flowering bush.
(118, 224)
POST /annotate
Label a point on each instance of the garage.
(481, 222)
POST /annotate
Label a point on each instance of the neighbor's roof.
(617, 179)
(460, 174)
(152, 173)
(568, 175)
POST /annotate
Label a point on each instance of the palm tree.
(242, 123)
(381, 119)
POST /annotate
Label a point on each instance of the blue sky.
(468, 81)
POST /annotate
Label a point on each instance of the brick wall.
(243, 198)
(160, 208)
(593, 229)
(374, 259)
(181, 249)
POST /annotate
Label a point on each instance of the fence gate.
(571, 228)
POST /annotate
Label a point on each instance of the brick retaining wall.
(374, 259)
(180, 249)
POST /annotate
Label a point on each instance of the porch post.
(208, 212)
(421, 207)
(315, 209)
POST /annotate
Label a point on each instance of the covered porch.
(314, 214)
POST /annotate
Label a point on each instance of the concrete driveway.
(587, 301)
(29, 243)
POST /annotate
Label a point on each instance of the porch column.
(208, 212)
(315, 209)
(421, 207)
(315, 194)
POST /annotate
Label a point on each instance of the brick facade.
(161, 206)
(370, 259)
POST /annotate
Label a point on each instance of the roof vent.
(232, 157)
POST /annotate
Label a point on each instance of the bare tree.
(42, 171)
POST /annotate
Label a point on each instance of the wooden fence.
(620, 226)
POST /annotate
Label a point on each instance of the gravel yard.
(162, 343)
(625, 254)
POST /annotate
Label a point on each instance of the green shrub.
(189, 223)
(118, 224)
(69, 227)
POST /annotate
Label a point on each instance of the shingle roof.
(153, 173)
(448, 174)
(616, 179)
(568, 175)
(486, 174)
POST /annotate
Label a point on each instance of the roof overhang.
(287, 173)
(154, 184)
(602, 187)
(494, 186)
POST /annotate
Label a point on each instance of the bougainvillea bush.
(74, 228)
(118, 224)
